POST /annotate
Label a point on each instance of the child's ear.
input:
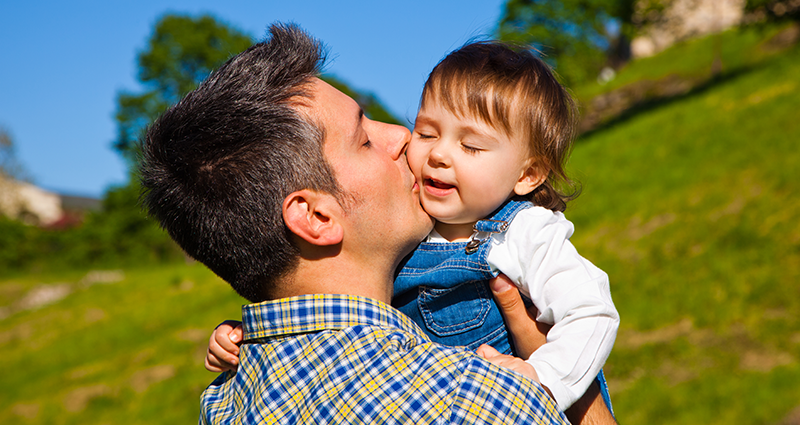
(314, 217)
(531, 177)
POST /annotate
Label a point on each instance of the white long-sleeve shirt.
(570, 292)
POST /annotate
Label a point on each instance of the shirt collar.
(318, 312)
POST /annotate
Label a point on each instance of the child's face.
(465, 167)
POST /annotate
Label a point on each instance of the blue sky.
(63, 63)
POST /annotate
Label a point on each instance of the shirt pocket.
(455, 310)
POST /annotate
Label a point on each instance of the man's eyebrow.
(358, 128)
(359, 117)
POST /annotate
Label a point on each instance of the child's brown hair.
(514, 91)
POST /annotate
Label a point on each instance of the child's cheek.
(414, 158)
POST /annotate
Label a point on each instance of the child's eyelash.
(470, 149)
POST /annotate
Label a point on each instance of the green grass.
(122, 352)
(692, 208)
(692, 59)
(691, 205)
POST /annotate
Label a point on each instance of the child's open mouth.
(438, 188)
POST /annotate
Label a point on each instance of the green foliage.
(9, 165)
(691, 60)
(372, 107)
(123, 234)
(773, 10)
(120, 235)
(17, 243)
(573, 35)
(691, 207)
(181, 52)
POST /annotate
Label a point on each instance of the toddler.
(488, 150)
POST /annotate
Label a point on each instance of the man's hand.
(509, 362)
(528, 335)
(223, 347)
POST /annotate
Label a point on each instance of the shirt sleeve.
(571, 294)
(485, 393)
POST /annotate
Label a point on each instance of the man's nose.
(396, 138)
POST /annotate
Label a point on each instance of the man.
(279, 184)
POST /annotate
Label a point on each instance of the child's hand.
(509, 362)
(223, 347)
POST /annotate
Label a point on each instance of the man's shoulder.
(386, 373)
(502, 395)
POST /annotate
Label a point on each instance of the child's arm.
(569, 292)
(590, 409)
(223, 347)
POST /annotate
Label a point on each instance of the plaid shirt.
(336, 359)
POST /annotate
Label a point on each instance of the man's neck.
(336, 275)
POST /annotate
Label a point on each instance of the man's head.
(220, 167)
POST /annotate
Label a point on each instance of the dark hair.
(217, 166)
(514, 91)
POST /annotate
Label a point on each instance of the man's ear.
(314, 217)
(531, 177)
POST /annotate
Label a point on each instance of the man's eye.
(367, 144)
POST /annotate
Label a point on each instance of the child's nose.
(438, 157)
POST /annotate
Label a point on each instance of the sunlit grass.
(692, 209)
(692, 59)
(127, 351)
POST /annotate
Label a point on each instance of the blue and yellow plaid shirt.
(336, 359)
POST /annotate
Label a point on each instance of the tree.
(180, 53)
(575, 36)
(773, 10)
(11, 173)
(372, 107)
(10, 168)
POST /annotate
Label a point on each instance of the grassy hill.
(109, 347)
(691, 204)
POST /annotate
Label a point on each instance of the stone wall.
(664, 22)
(31, 204)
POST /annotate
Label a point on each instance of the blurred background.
(690, 117)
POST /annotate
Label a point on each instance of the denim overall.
(444, 288)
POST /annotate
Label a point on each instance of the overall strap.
(496, 223)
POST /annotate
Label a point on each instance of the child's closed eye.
(470, 149)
